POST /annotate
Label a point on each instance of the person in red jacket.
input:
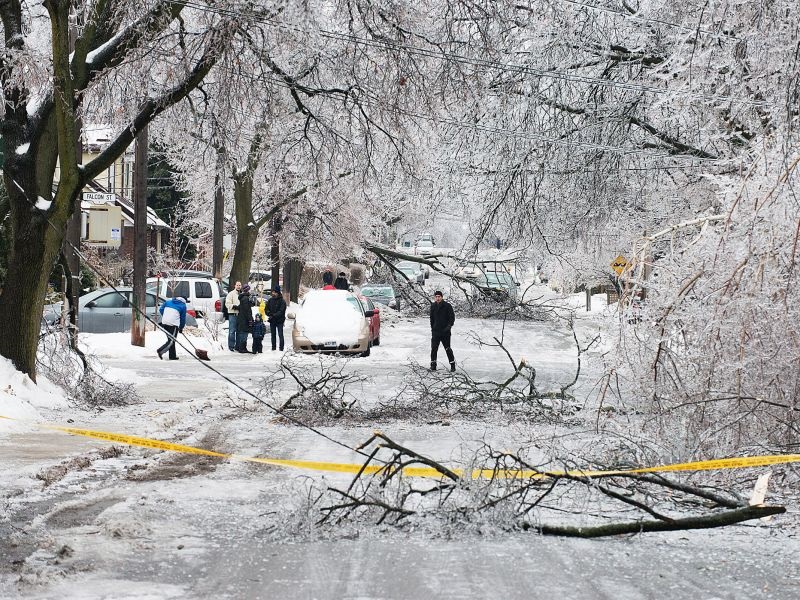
(327, 281)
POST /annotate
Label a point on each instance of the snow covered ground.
(82, 518)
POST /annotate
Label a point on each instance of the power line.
(478, 62)
(637, 17)
(515, 133)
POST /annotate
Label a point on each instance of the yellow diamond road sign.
(620, 264)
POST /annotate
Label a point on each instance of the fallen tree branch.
(722, 519)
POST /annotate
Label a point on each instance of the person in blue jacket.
(173, 320)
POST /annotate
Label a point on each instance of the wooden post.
(275, 250)
(139, 295)
(219, 220)
(72, 239)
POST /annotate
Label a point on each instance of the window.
(355, 304)
(150, 301)
(112, 300)
(177, 289)
(152, 287)
(202, 289)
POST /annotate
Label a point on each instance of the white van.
(204, 294)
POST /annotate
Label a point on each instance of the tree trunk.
(292, 272)
(246, 229)
(34, 249)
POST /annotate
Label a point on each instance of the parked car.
(204, 294)
(411, 270)
(383, 294)
(374, 321)
(501, 284)
(331, 321)
(424, 247)
(106, 311)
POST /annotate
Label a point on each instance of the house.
(108, 221)
(107, 203)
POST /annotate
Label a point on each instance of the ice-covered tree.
(61, 60)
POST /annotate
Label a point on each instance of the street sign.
(98, 197)
(620, 264)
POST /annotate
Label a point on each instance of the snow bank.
(20, 397)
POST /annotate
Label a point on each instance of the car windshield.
(425, 244)
(493, 278)
(354, 303)
(377, 292)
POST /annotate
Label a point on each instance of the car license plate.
(331, 344)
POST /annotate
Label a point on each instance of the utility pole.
(275, 249)
(72, 238)
(138, 322)
(219, 219)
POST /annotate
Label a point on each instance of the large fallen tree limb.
(385, 496)
(722, 519)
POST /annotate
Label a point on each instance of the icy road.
(89, 519)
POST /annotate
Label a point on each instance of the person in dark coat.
(259, 331)
(276, 315)
(341, 282)
(442, 319)
(244, 323)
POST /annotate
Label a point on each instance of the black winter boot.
(452, 366)
(433, 366)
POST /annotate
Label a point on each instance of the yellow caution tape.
(702, 465)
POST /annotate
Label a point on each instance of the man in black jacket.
(276, 315)
(341, 282)
(442, 319)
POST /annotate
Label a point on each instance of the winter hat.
(277, 289)
(438, 293)
(245, 289)
(341, 274)
(179, 299)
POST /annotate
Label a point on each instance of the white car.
(331, 321)
(424, 248)
(202, 293)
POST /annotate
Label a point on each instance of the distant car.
(374, 321)
(411, 270)
(501, 284)
(106, 311)
(260, 281)
(424, 247)
(331, 321)
(203, 294)
(383, 294)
